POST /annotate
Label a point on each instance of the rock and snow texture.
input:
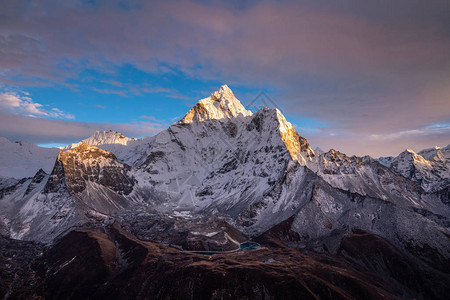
(22, 159)
(365, 176)
(430, 168)
(318, 150)
(86, 165)
(385, 160)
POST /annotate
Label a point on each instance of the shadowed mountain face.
(329, 225)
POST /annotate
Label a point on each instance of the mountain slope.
(431, 171)
(430, 168)
(22, 159)
(85, 186)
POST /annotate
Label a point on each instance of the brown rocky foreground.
(112, 264)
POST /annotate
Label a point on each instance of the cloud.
(110, 91)
(151, 118)
(44, 131)
(113, 82)
(131, 89)
(23, 104)
(156, 90)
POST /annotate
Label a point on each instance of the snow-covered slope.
(429, 168)
(365, 176)
(22, 159)
(385, 160)
(430, 153)
(318, 150)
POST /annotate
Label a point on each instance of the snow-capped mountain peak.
(436, 151)
(220, 105)
(411, 151)
(223, 92)
(408, 153)
(429, 167)
(103, 137)
(107, 137)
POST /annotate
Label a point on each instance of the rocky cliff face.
(431, 171)
(90, 165)
(429, 168)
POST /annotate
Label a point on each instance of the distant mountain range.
(216, 178)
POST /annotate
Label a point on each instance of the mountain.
(223, 175)
(222, 104)
(430, 168)
(385, 160)
(318, 150)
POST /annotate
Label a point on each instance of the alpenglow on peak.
(102, 137)
(221, 104)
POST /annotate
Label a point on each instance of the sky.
(361, 77)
